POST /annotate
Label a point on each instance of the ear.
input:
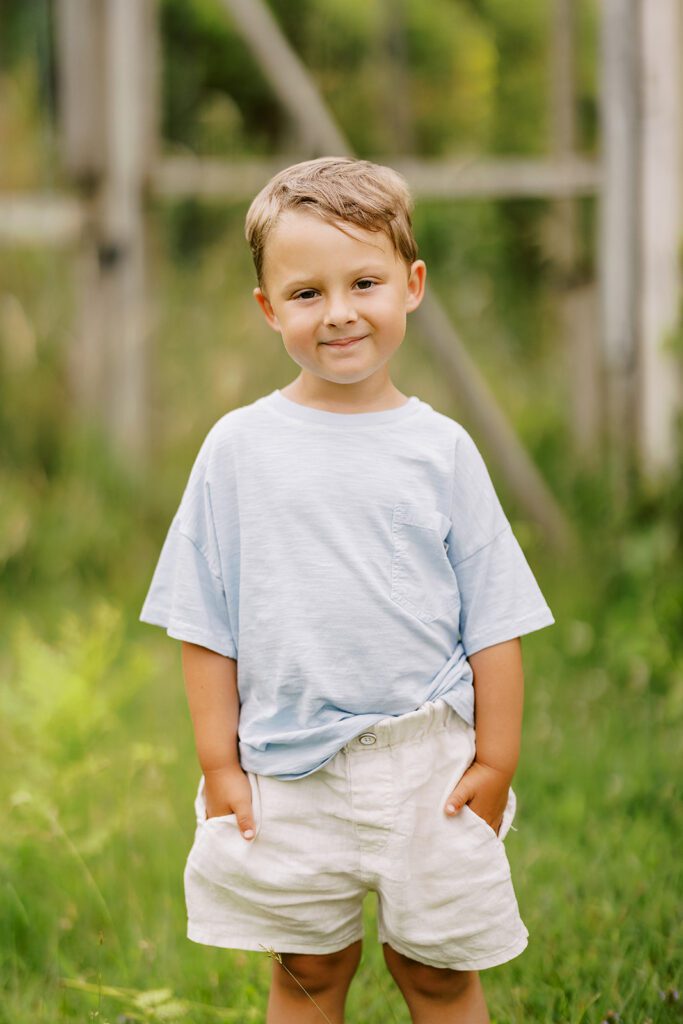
(416, 285)
(265, 305)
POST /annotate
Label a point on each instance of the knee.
(320, 972)
(438, 983)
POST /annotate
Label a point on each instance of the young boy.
(345, 583)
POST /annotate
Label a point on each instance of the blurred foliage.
(477, 74)
(28, 29)
(65, 506)
(215, 97)
(26, 154)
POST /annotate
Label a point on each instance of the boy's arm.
(211, 687)
(499, 704)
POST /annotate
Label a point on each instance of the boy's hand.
(227, 791)
(485, 789)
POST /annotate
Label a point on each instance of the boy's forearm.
(211, 687)
(499, 704)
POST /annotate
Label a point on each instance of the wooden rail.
(57, 219)
(453, 178)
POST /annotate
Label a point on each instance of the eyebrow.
(360, 272)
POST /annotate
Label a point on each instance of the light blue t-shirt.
(350, 562)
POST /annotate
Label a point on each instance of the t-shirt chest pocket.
(422, 579)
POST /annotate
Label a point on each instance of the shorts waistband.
(430, 717)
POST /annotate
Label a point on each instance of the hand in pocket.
(227, 791)
(485, 790)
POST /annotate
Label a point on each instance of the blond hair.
(359, 192)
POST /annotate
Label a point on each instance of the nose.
(340, 310)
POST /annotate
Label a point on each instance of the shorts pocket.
(422, 578)
(479, 821)
(508, 815)
(229, 819)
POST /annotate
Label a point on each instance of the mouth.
(344, 342)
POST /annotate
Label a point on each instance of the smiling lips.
(344, 342)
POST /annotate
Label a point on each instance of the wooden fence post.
(108, 97)
(577, 296)
(618, 242)
(80, 105)
(660, 388)
(121, 249)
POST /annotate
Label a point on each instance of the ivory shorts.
(372, 818)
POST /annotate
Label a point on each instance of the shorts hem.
(217, 936)
(476, 963)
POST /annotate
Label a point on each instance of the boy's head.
(335, 189)
(336, 262)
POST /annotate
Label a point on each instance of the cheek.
(391, 302)
(391, 310)
(297, 319)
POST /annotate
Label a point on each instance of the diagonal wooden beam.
(289, 79)
(479, 403)
(298, 94)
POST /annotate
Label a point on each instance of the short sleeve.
(500, 598)
(187, 595)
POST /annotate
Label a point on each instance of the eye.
(365, 281)
(306, 293)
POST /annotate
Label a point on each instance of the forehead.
(302, 241)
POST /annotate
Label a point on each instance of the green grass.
(99, 775)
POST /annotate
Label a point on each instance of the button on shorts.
(371, 819)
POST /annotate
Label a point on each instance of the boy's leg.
(326, 977)
(437, 995)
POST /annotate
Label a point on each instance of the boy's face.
(323, 284)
